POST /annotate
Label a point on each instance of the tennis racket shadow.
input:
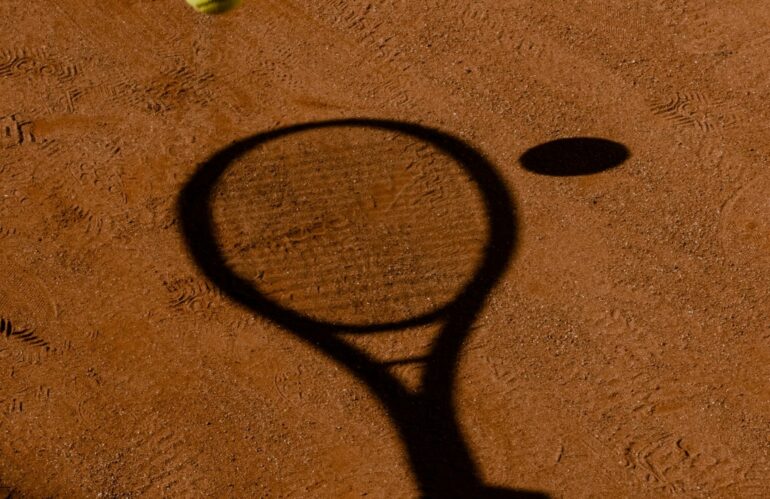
(426, 419)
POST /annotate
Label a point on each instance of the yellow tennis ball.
(213, 6)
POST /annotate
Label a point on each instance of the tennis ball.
(213, 6)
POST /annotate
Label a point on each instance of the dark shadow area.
(426, 419)
(574, 156)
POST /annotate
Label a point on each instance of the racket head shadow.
(196, 209)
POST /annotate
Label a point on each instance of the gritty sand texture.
(623, 350)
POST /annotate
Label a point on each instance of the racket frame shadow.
(426, 419)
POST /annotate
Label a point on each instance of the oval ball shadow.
(574, 156)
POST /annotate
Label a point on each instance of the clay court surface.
(623, 351)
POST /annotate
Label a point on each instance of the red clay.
(624, 353)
